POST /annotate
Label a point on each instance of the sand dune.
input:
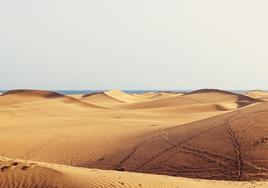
(145, 95)
(22, 96)
(57, 130)
(197, 108)
(28, 92)
(114, 98)
(27, 174)
(258, 94)
(209, 134)
(154, 95)
(228, 147)
(216, 97)
(41, 103)
(122, 96)
(101, 99)
(14, 174)
(161, 102)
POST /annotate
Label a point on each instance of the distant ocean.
(71, 92)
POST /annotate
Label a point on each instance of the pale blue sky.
(126, 44)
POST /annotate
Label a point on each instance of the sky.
(126, 44)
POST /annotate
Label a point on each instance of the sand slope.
(101, 99)
(215, 95)
(232, 146)
(258, 94)
(122, 96)
(22, 96)
(208, 134)
(69, 131)
(27, 174)
(206, 96)
(14, 174)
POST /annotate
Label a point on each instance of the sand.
(258, 94)
(28, 174)
(150, 136)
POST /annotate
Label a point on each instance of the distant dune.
(122, 96)
(101, 98)
(206, 96)
(258, 94)
(206, 134)
(20, 96)
(212, 95)
(41, 93)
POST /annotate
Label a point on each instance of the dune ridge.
(258, 94)
(183, 148)
(207, 96)
(28, 174)
(29, 96)
(15, 174)
(205, 134)
(122, 96)
(29, 92)
(101, 98)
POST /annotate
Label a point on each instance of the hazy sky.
(133, 44)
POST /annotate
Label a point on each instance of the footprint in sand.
(4, 168)
(14, 163)
(26, 167)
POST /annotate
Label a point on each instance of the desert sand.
(205, 138)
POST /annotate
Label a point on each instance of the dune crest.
(223, 99)
(212, 95)
(28, 174)
(23, 96)
(258, 94)
(121, 96)
(205, 134)
(28, 92)
(101, 98)
(237, 153)
(30, 96)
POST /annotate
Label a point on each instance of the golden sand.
(164, 133)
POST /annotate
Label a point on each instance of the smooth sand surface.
(258, 94)
(28, 174)
(176, 134)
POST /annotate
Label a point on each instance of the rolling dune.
(23, 96)
(215, 95)
(232, 146)
(122, 96)
(206, 96)
(207, 134)
(101, 99)
(258, 94)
